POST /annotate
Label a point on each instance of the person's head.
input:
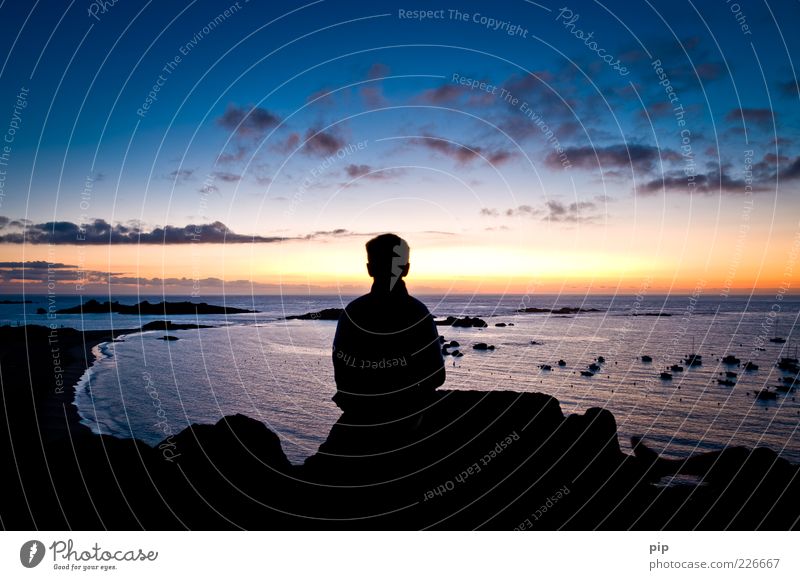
(387, 258)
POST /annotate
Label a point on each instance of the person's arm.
(431, 361)
(342, 375)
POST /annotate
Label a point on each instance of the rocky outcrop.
(326, 314)
(465, 322)
(169, 325)
(563, 310)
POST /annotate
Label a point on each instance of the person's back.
(386, 354)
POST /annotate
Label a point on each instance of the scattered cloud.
(354, 171)
(575, 212)
(36, 265)
(378, 70)
(373, 92)
(323, 96)
(226, 176)
(789, 88)
(181, 175)
(323, 143)
(232, 156)
(551, 210)
(639, 157)
(247, 120)
(462, 153)
(447, 94)
(760, 117)
(100, 232)
(765, 175)
(373, 97)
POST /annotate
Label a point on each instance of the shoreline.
(234, 474)
(54, 383)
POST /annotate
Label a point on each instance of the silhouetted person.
(387, 358)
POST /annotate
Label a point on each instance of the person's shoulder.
(358, 303)
(418, 305)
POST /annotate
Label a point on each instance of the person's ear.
(369, 270)
(406, 268)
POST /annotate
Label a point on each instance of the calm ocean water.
(280, 371)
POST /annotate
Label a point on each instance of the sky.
(519, 146)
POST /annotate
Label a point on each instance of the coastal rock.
(563, 310)
(482, 346)
(466, 322)
(169, 325)
(330, 314)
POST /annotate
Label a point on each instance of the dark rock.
(330, 314)
(501, 325)
(563, 310)
(482, 346)
(466, 322)
(168, 325)
(169, 337)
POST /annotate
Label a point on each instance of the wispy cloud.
(463, 154)
(760, 117)
(639, 157)
(100, 232)
(551, 211)
(354, 171)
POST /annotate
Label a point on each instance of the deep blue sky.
(391, 87)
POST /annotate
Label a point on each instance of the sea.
(280, 372)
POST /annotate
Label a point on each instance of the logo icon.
(31, 553)
(399, 261)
